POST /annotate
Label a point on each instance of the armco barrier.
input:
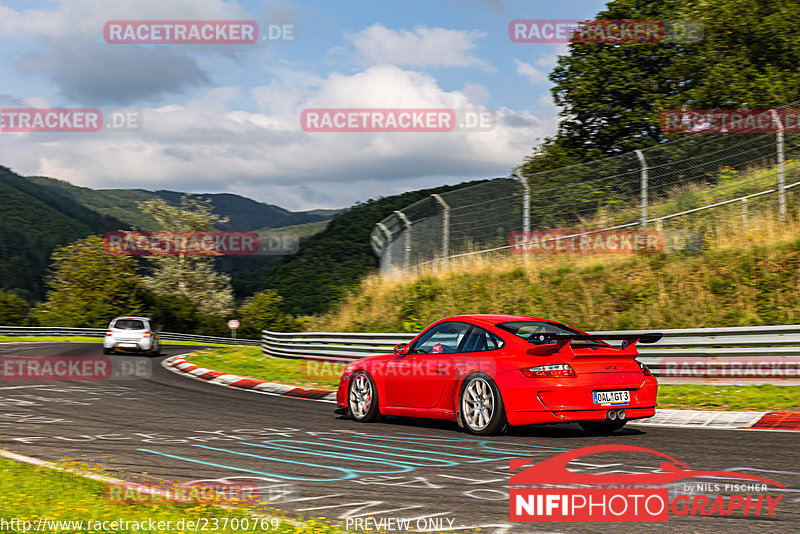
(100, 332)
(710, 346)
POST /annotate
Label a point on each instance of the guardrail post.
(445, 227)
(407, 257)
(526, 204)
(644, 181)
(781, 178)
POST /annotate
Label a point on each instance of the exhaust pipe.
(611, 415)
(621, 415)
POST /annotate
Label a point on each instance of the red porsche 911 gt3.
(490, 371)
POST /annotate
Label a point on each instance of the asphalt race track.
(312, 462)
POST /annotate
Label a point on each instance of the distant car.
(131, 334)
(490, 371)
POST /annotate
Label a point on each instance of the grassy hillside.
(33, 222)
(744, 277)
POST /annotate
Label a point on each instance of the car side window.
(444, 338)
(480, 340)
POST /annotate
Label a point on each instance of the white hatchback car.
(131, 333)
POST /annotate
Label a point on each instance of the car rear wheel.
(362, 398)
(603, 427)
(107, 351)
(480, 406)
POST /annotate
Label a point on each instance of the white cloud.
(420, 47)
(526, 70)
(206, 146)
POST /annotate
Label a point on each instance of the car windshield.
(129, 324)
(526, 329)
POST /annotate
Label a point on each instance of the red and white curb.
(724, 420)
(177, 364)
(663, 418)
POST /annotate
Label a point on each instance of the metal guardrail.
(779, 343)
(100, 332)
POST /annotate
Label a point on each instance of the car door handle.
(441, 369)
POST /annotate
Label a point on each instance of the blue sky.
(225, 118)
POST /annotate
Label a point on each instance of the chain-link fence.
(671, 197)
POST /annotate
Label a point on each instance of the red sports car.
(490, 371)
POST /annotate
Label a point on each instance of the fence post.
(744, 213)
(445, 227)
(386, 257)
(526, 204)
(407, 257)
(781, 178)
(644, 188)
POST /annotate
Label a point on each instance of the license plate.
(128, 345)
(611, 398)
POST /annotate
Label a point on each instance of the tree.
(187, 275)
(13, 309)
(611, 95)
(89, 287)
(262, 311)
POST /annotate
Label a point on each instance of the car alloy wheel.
(362, 399)
(481, 406)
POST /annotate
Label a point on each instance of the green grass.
(30, 493)
(87, 339)
(248, 361)
(743, 398)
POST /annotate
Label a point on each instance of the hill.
(34, 220)
(331, 263)
(245, 214)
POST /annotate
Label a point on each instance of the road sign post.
(233, 324)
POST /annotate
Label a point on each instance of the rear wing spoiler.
(562, 340)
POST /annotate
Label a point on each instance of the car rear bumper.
(535, 401)
(142, 345)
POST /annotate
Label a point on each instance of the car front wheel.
(480, 406)
(362, 398)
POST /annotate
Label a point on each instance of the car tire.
(480, 406)
(156, 351)
(362, 398)
(602, 427)
(107, 351)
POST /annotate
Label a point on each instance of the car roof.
(130, 317)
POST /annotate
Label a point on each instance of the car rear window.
(526, 329)
(129, 324)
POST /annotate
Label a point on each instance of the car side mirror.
(402, 348)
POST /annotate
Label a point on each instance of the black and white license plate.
(611, 398)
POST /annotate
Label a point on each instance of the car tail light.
(146, 334)
(558, 370)
(109, 332)
(645, 370)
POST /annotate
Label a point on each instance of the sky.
(216, 118)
